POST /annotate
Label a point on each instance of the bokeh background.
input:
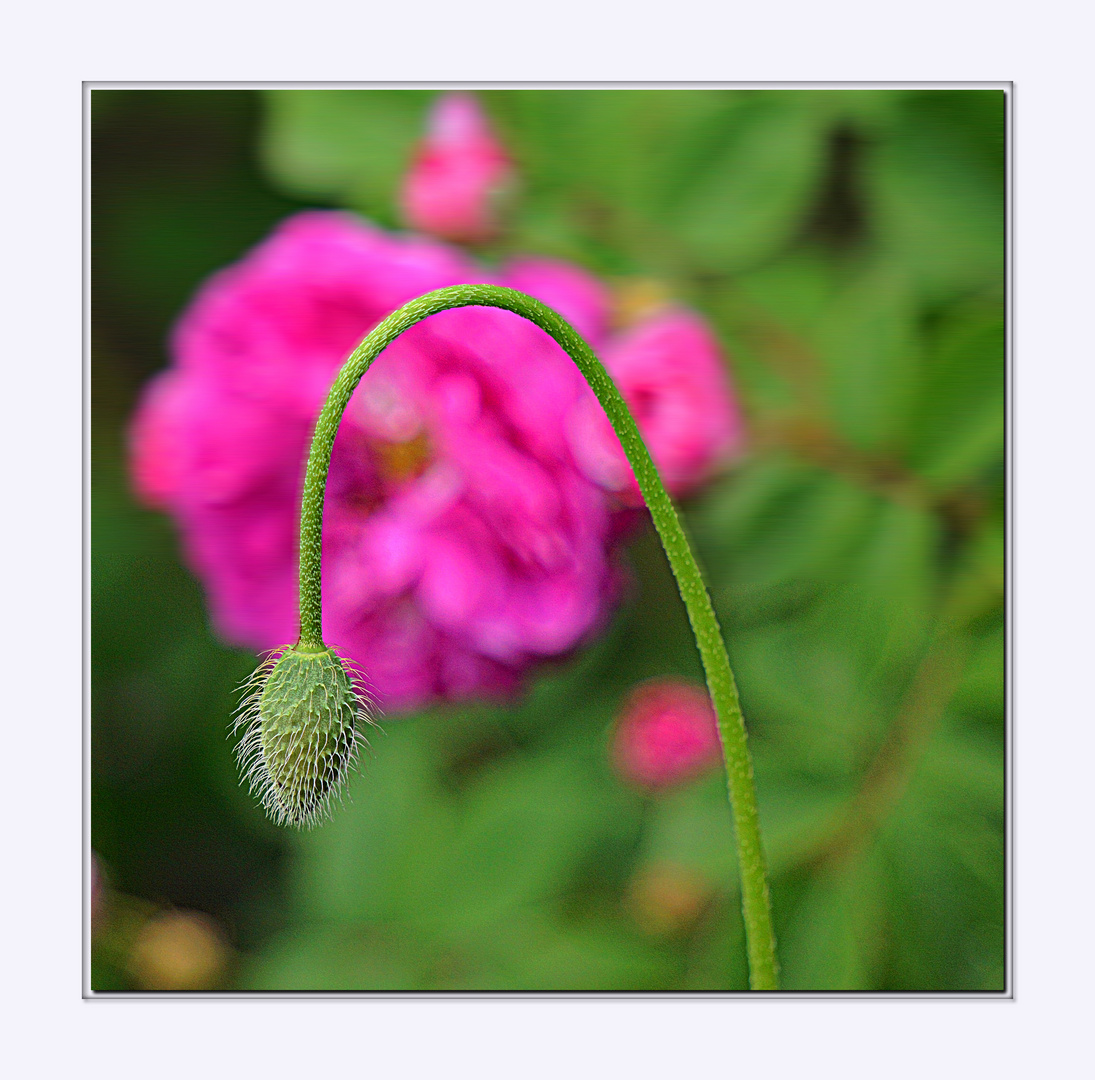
(847, 246)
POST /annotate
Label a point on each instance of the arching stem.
(756, 907)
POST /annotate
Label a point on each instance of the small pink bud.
(458, 172)
(666, 733)
(97, 890)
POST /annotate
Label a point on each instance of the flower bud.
(459, 172)
(667, 732)
(302, 715)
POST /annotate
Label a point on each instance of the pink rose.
(671, 373)
(667, 732)
(461, 541)
(458, 173)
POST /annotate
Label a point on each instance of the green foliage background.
(848, 247)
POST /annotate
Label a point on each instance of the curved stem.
(756, 906)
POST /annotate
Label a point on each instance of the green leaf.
(344, 958)
(348, 146)
(716, 956)
(778, 524)
(962, 772)
(883, 612)
(936, 184)
(832, 938)
(981, 692)
(625, 144)
(691, 826)
(796, 810)
(367, 862)
(869, 348)
(537, 953)
(748, 178)
(794, 292)
(959, 419)
(944, 845)
(805, 695)
(517, 837)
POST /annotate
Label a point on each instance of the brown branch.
(971, 594)
(888, 775)
(813, 442)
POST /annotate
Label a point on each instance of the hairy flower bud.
(302, 715)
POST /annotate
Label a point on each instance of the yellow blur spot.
(179, 950)
(666, 898)
(398, 462)
(636, 298)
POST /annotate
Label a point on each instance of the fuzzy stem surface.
(756, 905)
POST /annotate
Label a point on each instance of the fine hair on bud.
(302, 717)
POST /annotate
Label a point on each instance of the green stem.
(760, 939)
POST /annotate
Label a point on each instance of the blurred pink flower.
(667, 732)
(672, 375)
(461, 541)
(96, 890)
(458, 173)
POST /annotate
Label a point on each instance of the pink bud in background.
(671, 373)
(96, 890)
(667, 732)
(458, 172)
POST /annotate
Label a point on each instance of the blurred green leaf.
(350, 146)
(367, 862)
(793, 292)
(518, 833)
(829, 594)
(966, 767)
(538, 953)
(691, 826)
(869, 347)
(715, 957)
(944, 847)
(341, 958)
(959, 421)
(936, 183)
(981, 692)
(804, 694)
(834, 936)
(883, 613)
(625, 142)
(779, 525)
(743, 185)
(796, 809)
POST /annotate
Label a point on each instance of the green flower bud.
(302, 714)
